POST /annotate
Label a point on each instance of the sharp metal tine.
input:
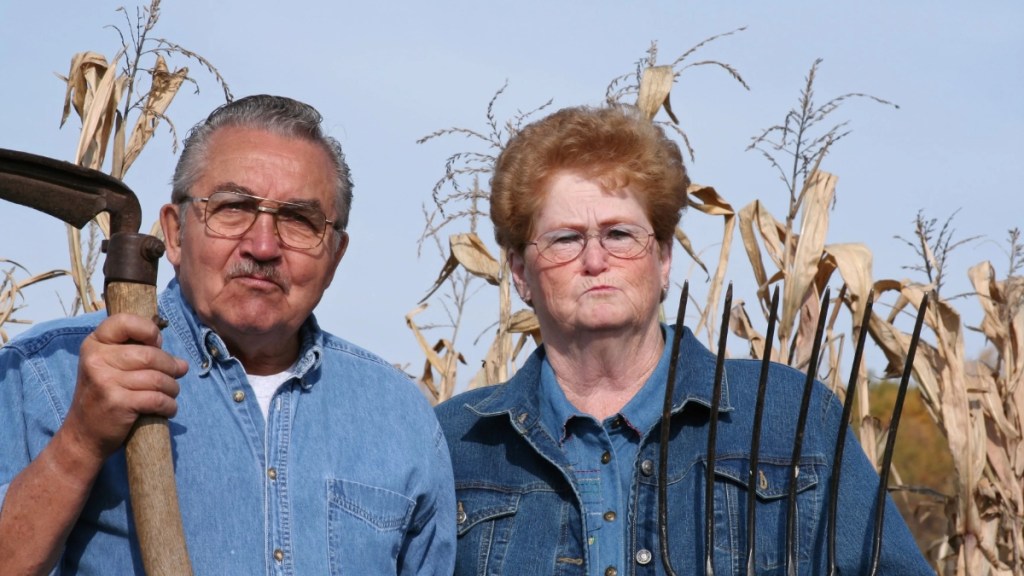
(791, 563)
(666, 415)
(837, 456)
(890, 443)
(709, 480)
(755, 441)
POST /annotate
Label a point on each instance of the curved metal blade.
(67, 191)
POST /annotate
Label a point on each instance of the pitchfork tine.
(666, 414)
(709, 480)
(837, 456)
(755, 441)
(890, 442)
(794, 468)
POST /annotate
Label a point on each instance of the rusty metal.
(67, 191)
(131, 258)
(76, 195)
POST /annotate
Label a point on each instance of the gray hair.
(276, 114)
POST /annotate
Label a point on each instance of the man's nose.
(261, 240)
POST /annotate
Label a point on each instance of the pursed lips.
(261, 281)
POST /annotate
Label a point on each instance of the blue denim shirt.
(348, 475)
(602, 456)
(519, 510)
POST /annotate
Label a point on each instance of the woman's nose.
(594, 256)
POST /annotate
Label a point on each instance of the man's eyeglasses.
(626, 241)
(231, 214)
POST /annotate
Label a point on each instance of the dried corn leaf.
(740, 325)
(684, 241)
(655, 87)
(710, 202)
(718, 279)
(78, 81)
(854, 263)
(163, 89)
(433, 358)
(449, 266)
(524, 321)
(104, 90)
(471, 252)
(818, 193)
(753, 248)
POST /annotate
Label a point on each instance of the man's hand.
(122, 374)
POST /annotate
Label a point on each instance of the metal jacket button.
(647, 467)
(644, 556)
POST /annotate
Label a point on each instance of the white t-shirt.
(266, 386)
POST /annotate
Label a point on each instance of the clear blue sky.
(385, 74)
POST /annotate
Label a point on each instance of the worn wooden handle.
(154, 496)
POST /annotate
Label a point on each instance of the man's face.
(254, 291)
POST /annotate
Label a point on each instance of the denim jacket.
(519, 506)
(348, 475)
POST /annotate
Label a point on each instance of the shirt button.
(647, 467)
(606, 457)
(609, 516)
(272, 472)
(279, 555)
(611, 571)
(214, 352)
(206, 364)
(617, 422)
(644, 556)
(238, 396)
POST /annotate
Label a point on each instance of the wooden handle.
(154, 496)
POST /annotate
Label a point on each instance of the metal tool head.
(67, 191)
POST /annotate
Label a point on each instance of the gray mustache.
(252, 268)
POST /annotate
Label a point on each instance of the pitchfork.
(834, 486)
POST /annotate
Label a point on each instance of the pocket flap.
(772, 479)
(477, 505)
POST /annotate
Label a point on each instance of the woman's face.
(596, 292)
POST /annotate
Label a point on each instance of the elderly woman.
(556, 469)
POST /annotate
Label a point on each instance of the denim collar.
(519, 398)
(205, 347)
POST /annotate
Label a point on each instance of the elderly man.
(295, 451)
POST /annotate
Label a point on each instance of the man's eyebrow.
(232, 187)
(240, 189)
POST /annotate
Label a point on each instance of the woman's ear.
(518, 267)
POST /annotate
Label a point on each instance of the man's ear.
(170, 223)
(338, 254)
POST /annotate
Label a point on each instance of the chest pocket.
(366, 527)
(517, 531)
(772, 502)
(485, 520)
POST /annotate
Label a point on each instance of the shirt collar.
(205, 347)
(520, 397)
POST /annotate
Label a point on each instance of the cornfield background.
(968, 517)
